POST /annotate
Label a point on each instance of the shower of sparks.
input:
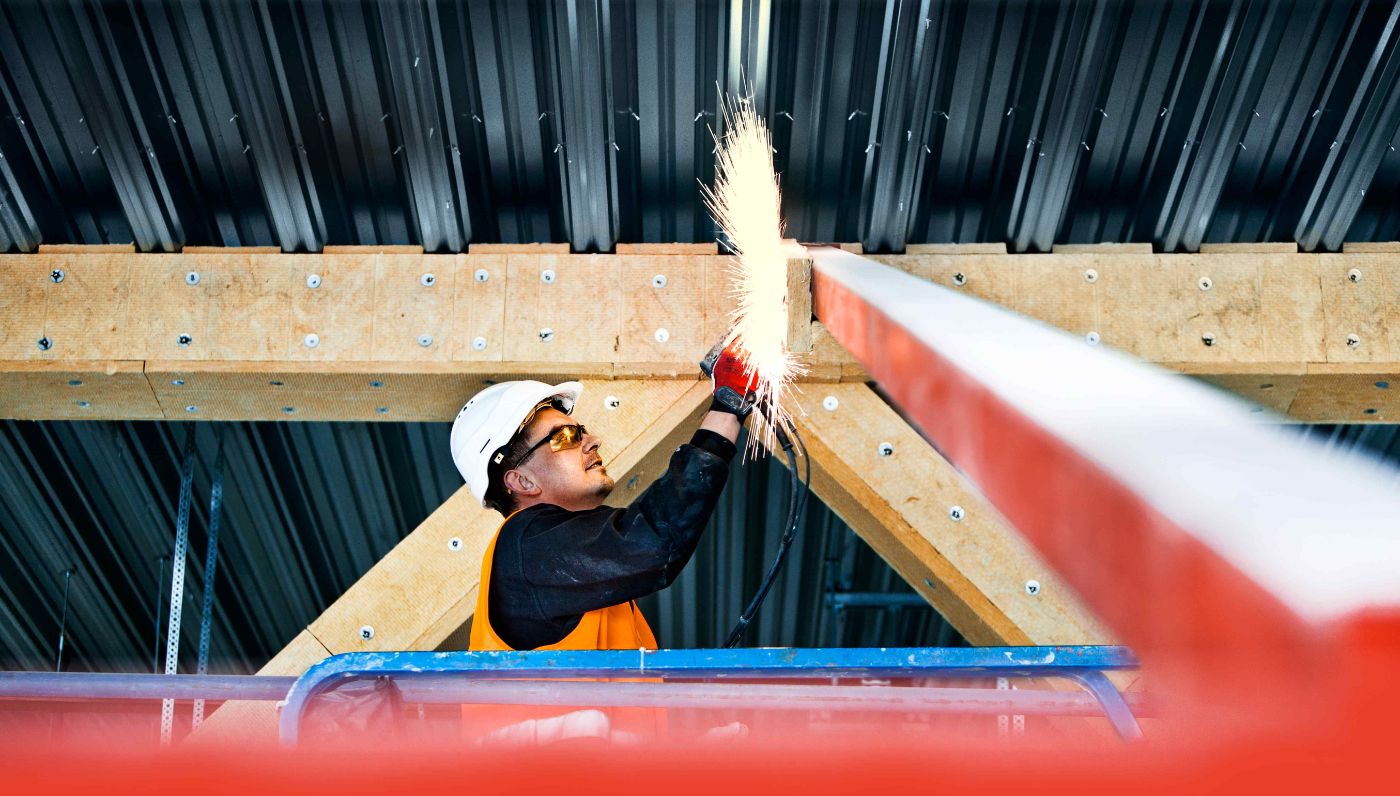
(745, 202)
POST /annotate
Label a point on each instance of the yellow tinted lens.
(565, 438)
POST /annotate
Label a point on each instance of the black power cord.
(797, 504)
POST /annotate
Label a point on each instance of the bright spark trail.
(746, 203)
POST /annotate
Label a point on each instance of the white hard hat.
(492, 417)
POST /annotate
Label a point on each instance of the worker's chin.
(604, 487)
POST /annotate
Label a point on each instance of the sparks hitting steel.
(746, 203)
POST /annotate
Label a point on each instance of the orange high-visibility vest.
(617, 627)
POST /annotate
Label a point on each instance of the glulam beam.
(394, 334)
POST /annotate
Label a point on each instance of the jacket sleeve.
(573, 562)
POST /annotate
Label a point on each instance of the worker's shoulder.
(541, 517)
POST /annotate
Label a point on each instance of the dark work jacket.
(553, 565)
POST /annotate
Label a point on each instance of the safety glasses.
(563, 438)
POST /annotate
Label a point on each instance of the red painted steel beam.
(1205, 539)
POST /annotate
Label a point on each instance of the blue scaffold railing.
(461, 676)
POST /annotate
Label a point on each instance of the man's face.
(575, 478)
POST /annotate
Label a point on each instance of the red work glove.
(734, 388)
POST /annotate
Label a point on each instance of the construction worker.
(564, 570)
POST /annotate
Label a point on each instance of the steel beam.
(1173, 486)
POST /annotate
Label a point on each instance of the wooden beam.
(1103, 248)
(1260, 247)
(1240, 320)
(952, 248)
(425, 588)
(86, 248)
(668, 248)
(799, 308)
(931, 526)
(232, 323)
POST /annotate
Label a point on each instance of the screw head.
(192, 408)
(1382, 385)
(481, 275)
(1204, 283)
(45, 344)
(376, 384)
(479, 344)
(546, 335)
(178, 382)
(1091, 276)
(313, 281)
(830, 402)
(74, 382)
(1208, 338)
(56, 275)
(312, 340)
(381, 410)
(662, 335)
(547, 276)
(1092, 338)
(885, 449)
(658, 281)
(425, 340)
(955, 513)
(1032, 587)
(192, 278)
(959, 279)
(633, 481)
(1353, 340)
(454, 544)
(83, 404)
(289, 410)
(277, 383)
(184, 341)
(366, 632)
(612, 402)
(1354, 275)
(427, 280)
